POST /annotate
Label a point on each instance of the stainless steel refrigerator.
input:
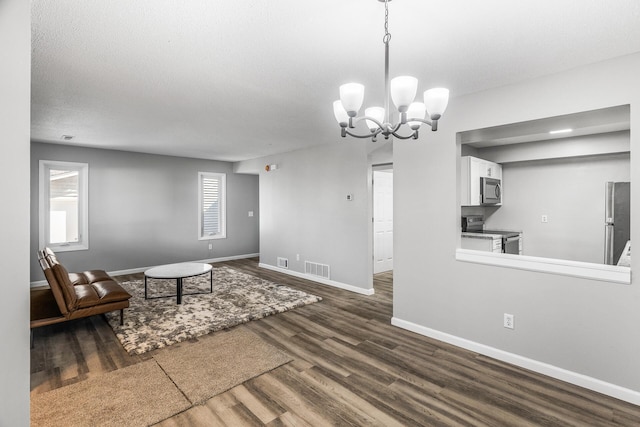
(617, 220)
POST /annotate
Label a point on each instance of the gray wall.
(143, 209)
(305, 211)
(15, 45)
(583, 326)
(570, 192)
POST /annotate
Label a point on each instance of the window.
(555, 190)
(211, 205)
(63, 207)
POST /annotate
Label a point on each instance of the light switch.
(250, 213)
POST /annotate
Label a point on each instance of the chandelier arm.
(428, 122)
(404, 137)
(381, 126)
(393, 128)
(370, 135)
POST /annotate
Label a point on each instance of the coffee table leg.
(145, 287)
(211, 280)
(179, 290)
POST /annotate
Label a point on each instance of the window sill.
(586, 270)
(217, 236)
(68, 248)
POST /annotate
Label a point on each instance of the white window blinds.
(212, 205)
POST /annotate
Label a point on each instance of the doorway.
(382, 219)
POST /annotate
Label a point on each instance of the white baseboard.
(571, 377)
(333, 283)
(41, 283)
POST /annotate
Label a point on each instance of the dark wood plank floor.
(351, 367)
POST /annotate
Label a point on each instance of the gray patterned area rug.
(237, 298)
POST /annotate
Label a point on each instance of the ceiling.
(604, 120)
(233, 80)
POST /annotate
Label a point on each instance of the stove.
(511, 240)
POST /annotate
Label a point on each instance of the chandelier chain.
(387, 34)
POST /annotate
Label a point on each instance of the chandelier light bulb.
(340, 113)
(376, 113)
(416, 110)
(436, 101)
(403, 91)
(352, 95)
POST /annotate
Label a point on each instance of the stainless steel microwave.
(490, 191)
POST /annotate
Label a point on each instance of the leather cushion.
(78, 279)
(86, 296)
(96, 276)
(56, 290)
(110, 291)
(62, 276)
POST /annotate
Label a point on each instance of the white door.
(382, 221)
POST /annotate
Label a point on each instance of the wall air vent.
(316, 269)
(283, 262)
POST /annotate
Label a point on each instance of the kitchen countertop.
(475, 235)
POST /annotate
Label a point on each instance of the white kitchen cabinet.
(486, 243)
(471, 170)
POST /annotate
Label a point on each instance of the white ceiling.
(611, 119)
(232, 80)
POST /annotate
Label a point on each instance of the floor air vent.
(315, 269)
(283, 262)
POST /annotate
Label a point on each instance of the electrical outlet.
(210, 246)
(544, 219)
(297, 257)
(508, 321)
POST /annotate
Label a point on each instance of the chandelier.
(402, 90)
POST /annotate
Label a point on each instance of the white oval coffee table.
(178, 272)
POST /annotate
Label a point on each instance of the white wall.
(304, 210)
(585, 329)
(15, 45)
(571, 192)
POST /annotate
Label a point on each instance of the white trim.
(575, 378)
(83, 200)
(333, 283)
(585, 270)
(223, 204)
(40, 283)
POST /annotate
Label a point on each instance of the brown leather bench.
(74, 295)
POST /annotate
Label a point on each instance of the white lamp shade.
(375, 112)
(403, 91)
(340, 113)
(416, 110)
(436, 101)
(352, 95)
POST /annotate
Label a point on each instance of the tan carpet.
(151, 391)
(138, 395)
(218, 362)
